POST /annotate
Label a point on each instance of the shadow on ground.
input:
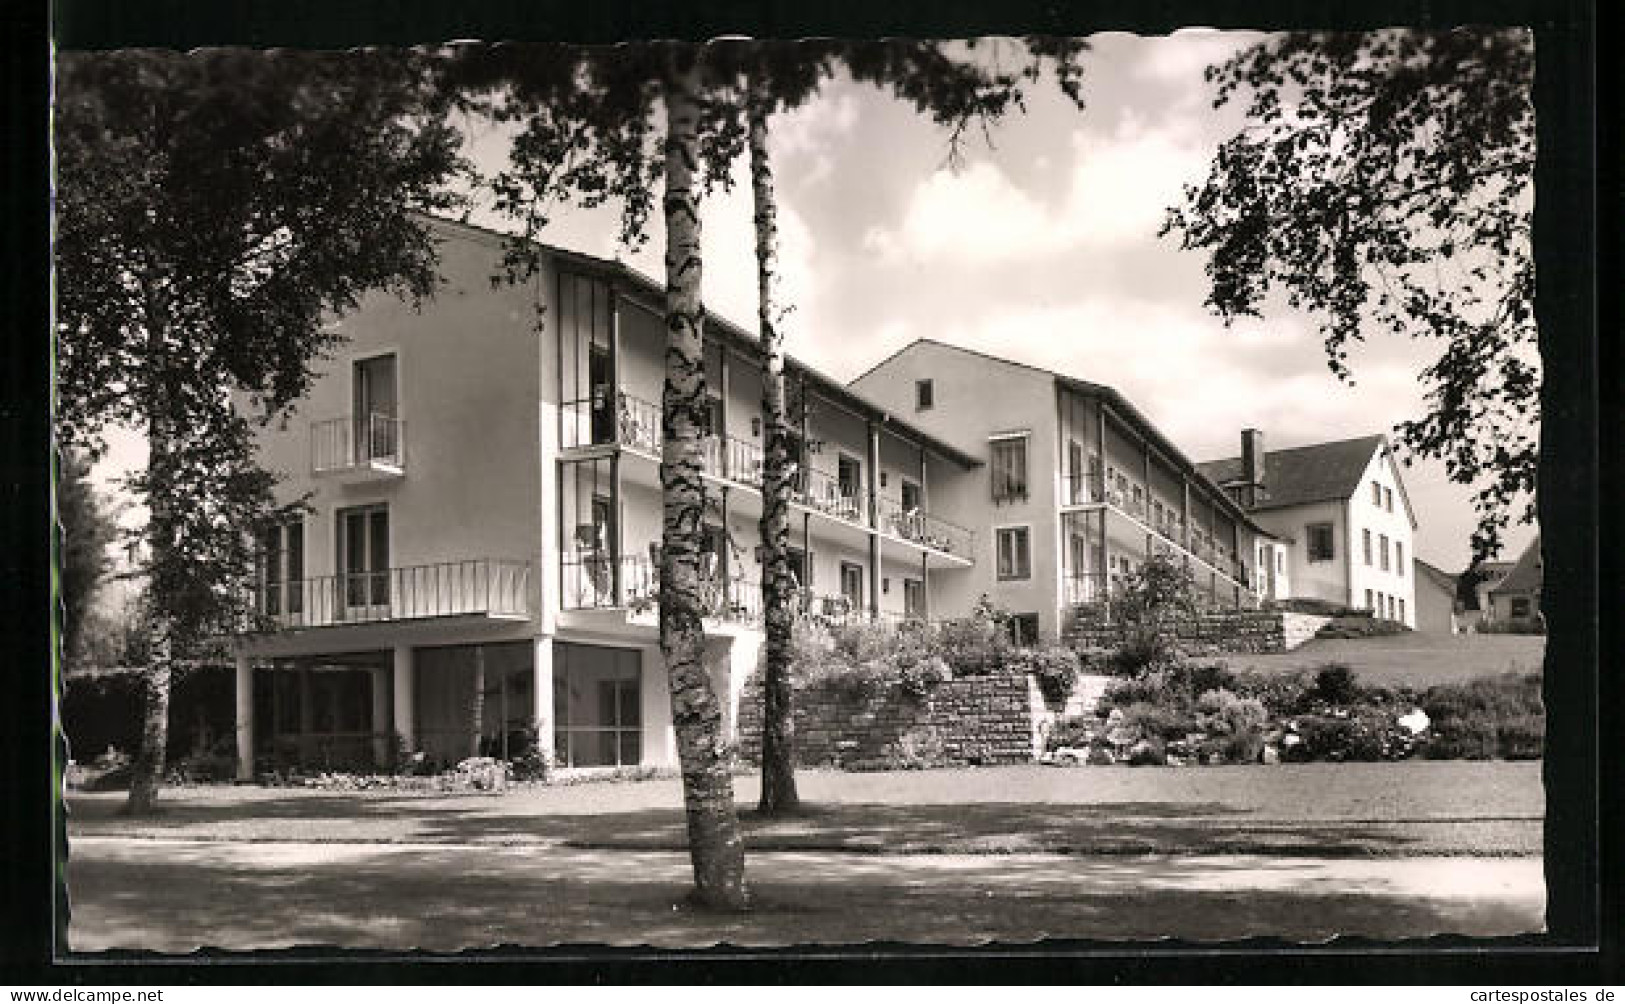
(1117, 827)
(175, 897)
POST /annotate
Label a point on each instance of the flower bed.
(1205, 714)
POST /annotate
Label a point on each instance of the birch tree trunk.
(778, 477)
(147, 767)
(714, 841)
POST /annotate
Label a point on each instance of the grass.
(1413, 659)
(1415, 807)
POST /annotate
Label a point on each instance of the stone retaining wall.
(974, 720)
(1220, 631)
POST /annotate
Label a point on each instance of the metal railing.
(823, 492)
(589, 584)
(356, 441)
(590, 421)
(1083, 588)
(447, 589)
(922, 528)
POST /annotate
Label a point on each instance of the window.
(1010, 469)
(1399, 559)
(924, 395)
(1388, 499)
(1402, 608)
(1383, 550)
(1520, 606)
(1280, 561)
(849, 479)
(1365, 540)
(1015, 558)
(852, 585)
(282, 568)
(1023, 629)
(1368, 604)
(363, 539)
(1376, 494)
(1318, 538)
(375, 408)
(912, 497)
(913, 598)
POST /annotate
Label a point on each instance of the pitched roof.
(1303, 474)
(1444, 580)
(1525, 576)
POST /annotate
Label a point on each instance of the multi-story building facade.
(473, 571)
(1341, 513)
(1077, 488)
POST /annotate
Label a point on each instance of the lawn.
(1317, 809)
(1411, 659)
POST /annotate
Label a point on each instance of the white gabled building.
(1341, 511)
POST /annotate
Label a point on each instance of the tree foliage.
(214, 211)
(1384, 185)
(88, 530)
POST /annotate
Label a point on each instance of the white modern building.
(474, 568)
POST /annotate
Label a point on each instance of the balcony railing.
(372, 442)
(823, 492)
(591, 421)
(1083, 588)
(920, 527)
(449, 589)
(589, 584)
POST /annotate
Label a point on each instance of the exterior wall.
(1243, 631)
(1400, 579)
(1324, 580)
(962, 386)
(1435, 605)
(974, 720)
(468, 380)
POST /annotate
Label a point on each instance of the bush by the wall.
(1496, 716)
(1054, 667)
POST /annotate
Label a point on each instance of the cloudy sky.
(1043, 248)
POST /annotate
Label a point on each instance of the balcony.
(589, 584)
(476, 587)
(633, 423)
(919, 527)
(356, 450)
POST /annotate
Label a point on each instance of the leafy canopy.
(214, 211)
(1384, 185)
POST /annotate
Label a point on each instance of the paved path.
(173, 895)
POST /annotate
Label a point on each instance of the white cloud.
(1182, 56)
(1119, 189)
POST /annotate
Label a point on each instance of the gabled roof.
(637, 282)
(1323, 472)
(1444, 580)
(1117, 402)
(1525, 576)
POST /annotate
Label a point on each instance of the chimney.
(1252, 467)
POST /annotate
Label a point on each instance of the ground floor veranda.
(593, 694)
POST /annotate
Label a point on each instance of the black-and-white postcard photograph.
(990, 490)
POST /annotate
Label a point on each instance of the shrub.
(1166, 722)
(1148, 752)
(1054, 667)
(1522, 737)
(977, 645)
(1280, 693)
(1072, 730)
(1335, 684)
(1328, 737)
(917, 677)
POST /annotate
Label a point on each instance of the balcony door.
(363, 539)
(599, 373)
(375, 409)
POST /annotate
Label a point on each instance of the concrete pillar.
(245, 718)
(874, 521)
(542, 693)
(380, 716)
(404, 718)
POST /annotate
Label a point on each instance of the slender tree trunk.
(147, 768)
(778, 582)
(714, 841)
